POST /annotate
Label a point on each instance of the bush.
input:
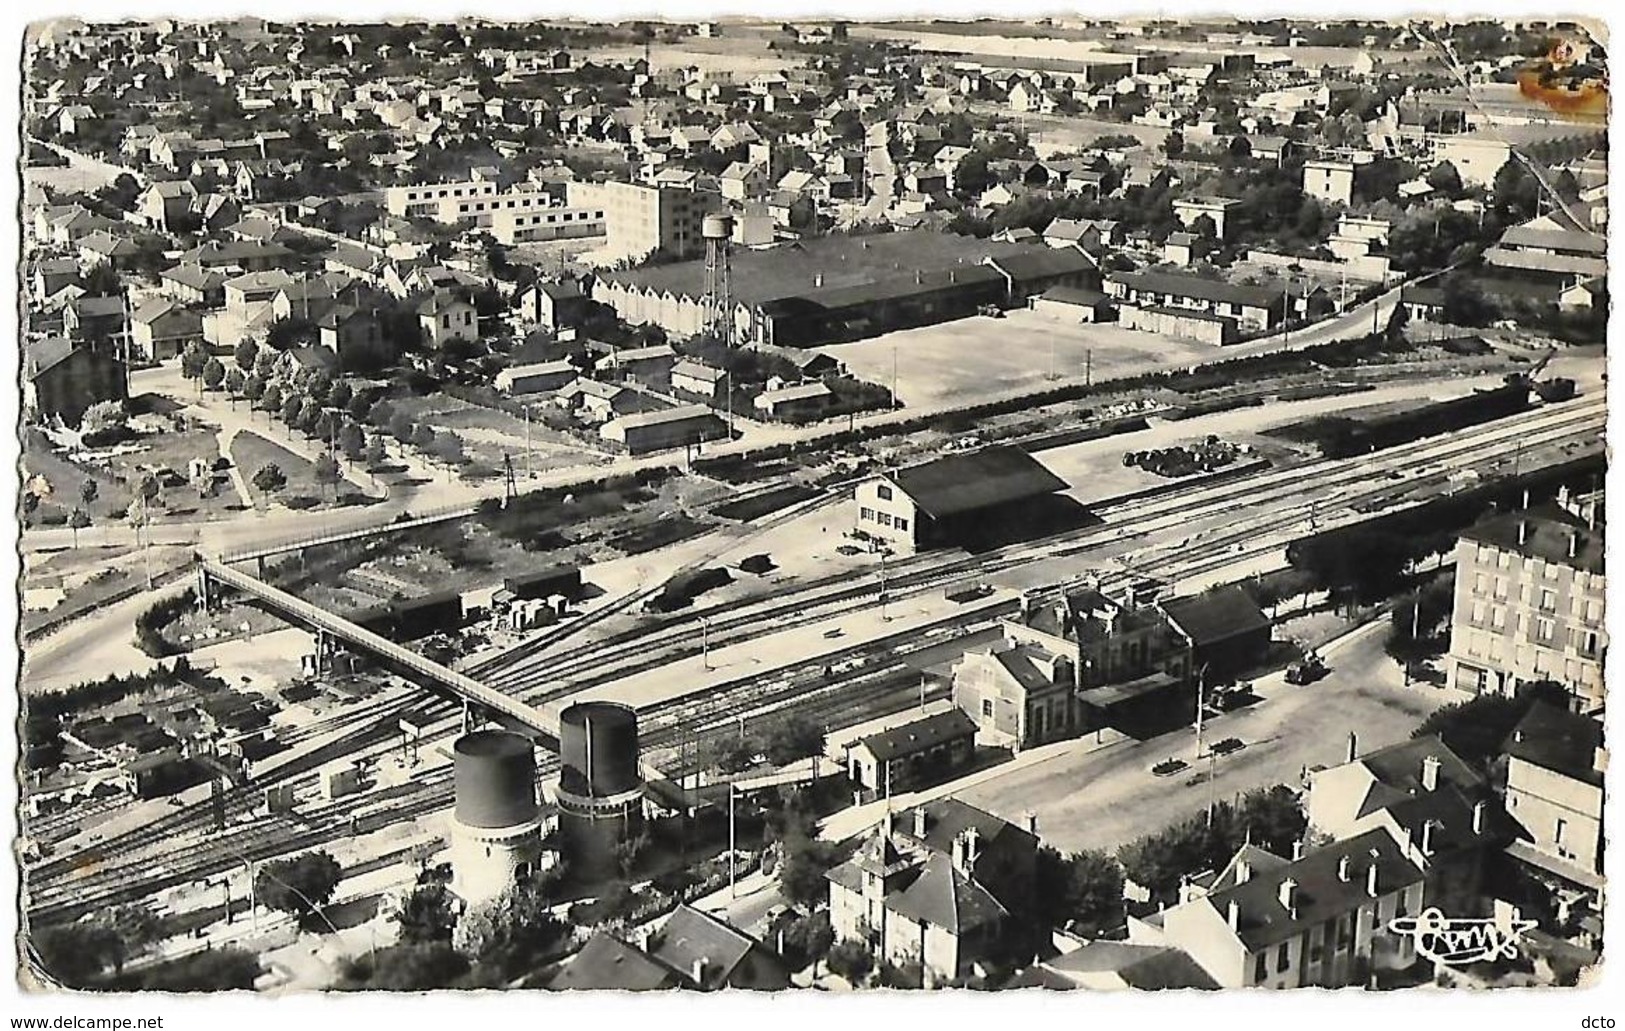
(149, 625)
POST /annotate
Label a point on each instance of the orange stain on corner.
(1548, 82)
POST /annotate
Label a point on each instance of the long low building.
(835, 289)
(1252, 307)
(643, 432)
(933, 503)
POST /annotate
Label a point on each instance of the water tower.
(600, 793)
(717, 232)
(496, 834)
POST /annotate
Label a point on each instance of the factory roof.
(976, 480)
(805, 268)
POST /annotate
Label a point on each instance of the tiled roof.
(976, 480)
(1560, 741)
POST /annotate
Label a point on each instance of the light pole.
(733, 842)
(1201, 689)
(885, 617)
(705, 642)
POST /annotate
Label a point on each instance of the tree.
(292, 405)
(382, 414)
(327, 470)
(1464, 302)
(426, 915)
(318, 383)
(77, 521)
(214, 373)
(351, 440)
(223, 969)
(806, 861)
(270, 478)
(627, 853)
(423, 437)
(514, 933)
(1173, 144)
(1083, 890)
(358, 407)
(236, 381)
(106, 420)
(271, 397)
(246, 355)
(852, 960)
(88, 491)
(193, 360)
(326, 424)
(794, 737)
(400, 427)
(971, 175)
(1270, 818)
(299, 886)
(1477, 729)
(1445, 179)
(407, 967)
(808, 939)
(375, 450)
(340, 394)
(77, 953)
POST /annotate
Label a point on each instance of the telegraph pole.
(1201, 688)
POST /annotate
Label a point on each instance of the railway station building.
(950, 500)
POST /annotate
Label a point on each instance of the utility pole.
(733, 846)
(705, 641)
(530, 472)
(1201, 688)
(885, 616)
(1089, 367)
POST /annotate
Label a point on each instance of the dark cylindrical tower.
(495, 827)
(600, 793)
(599, 750)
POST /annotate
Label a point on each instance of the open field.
(250, 452)
(116, 471)
(740, 49)
(979, 356)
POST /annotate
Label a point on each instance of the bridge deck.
(463, 685)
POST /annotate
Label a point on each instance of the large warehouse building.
(841, 288)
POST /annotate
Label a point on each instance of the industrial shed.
(951, 500)
(1226, 630)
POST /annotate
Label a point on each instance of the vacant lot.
(968, 359)
(117, 470)
(488, 434)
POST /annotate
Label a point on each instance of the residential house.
(356, 336)
(593, 401)
(95, 318)
(1114, 965)
(795, 401)
(536, 377)
(161, 329)
(62, 378)
(1322, 919)
(194, 284)
(609, 964)
(51, 275)
(711, 955)
(445, 319)
(939, 888)
(698, 379)
(553, 305)
(1554, 796)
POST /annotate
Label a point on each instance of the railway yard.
(838, 649)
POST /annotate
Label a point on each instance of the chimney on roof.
(1031, 819)
(1354, 747)
(1371, 880)
(919, 823)
(1343, 869)
(1599, 759)
(1297, 850)
(1574, 543)
(1523, 532)
(1526, 499)
(1244, 871)
(698, 970)
(1478, 817)
(1232, 915)
(818, 279)
(966, 851)
(1430, 773)
(1289, 895)
(1427, 837)
(1025, 604)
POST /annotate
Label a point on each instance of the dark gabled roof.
(920, 735)
(946, 898)
(1320, 895)
(1043, 263)
(976, 480)
(1147, 967)
(606, 962)
(947, 818)
(1073, 295)
(1399, 766)
(1557, 740)
(1216, 615)
(91, 307)
(43, 355)
(689, 935)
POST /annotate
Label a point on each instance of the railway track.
(66, 886)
